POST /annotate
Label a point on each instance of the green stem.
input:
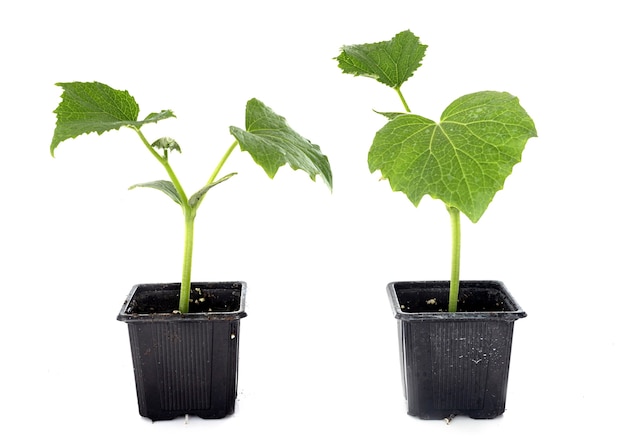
(455, 219)
(165, 164)
(185, 285)
(222, 161)
(190, 215)
(404, 103)
(213, 176)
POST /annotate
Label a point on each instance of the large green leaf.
(272, 143)
(96, 107)
(463, 160)
(390, 62)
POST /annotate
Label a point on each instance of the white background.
(319, 356)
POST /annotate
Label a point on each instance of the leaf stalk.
(404, 103)
(221, 163)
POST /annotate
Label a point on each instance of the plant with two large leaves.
(96, 107)
(463, 160)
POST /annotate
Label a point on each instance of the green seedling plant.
(88, 107)
(463, 160)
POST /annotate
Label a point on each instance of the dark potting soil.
(474, 296)
(204, 298)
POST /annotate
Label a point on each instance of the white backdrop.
(318, 352)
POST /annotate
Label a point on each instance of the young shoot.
(462, 160)
(96, 107)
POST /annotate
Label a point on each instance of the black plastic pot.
(185, 364)
(454, 363)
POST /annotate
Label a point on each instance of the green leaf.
(96, 107)
(463, 160)
(390, 62)
(197, 197)
(167, 187)
(272, 143)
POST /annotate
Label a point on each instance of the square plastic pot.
(454, 363)
(185, 364)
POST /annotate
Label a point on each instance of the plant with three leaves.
(96, 107)
(463, 160)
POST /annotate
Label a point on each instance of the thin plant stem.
(189, 213)
(190, 216)
(185, 284)
(455, 220)
(404, 103)
(218, 168)
(222, 161)
(166, 165)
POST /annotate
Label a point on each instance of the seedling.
(96, 107)
(463, 160)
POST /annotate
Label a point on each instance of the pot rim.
(238, 286)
